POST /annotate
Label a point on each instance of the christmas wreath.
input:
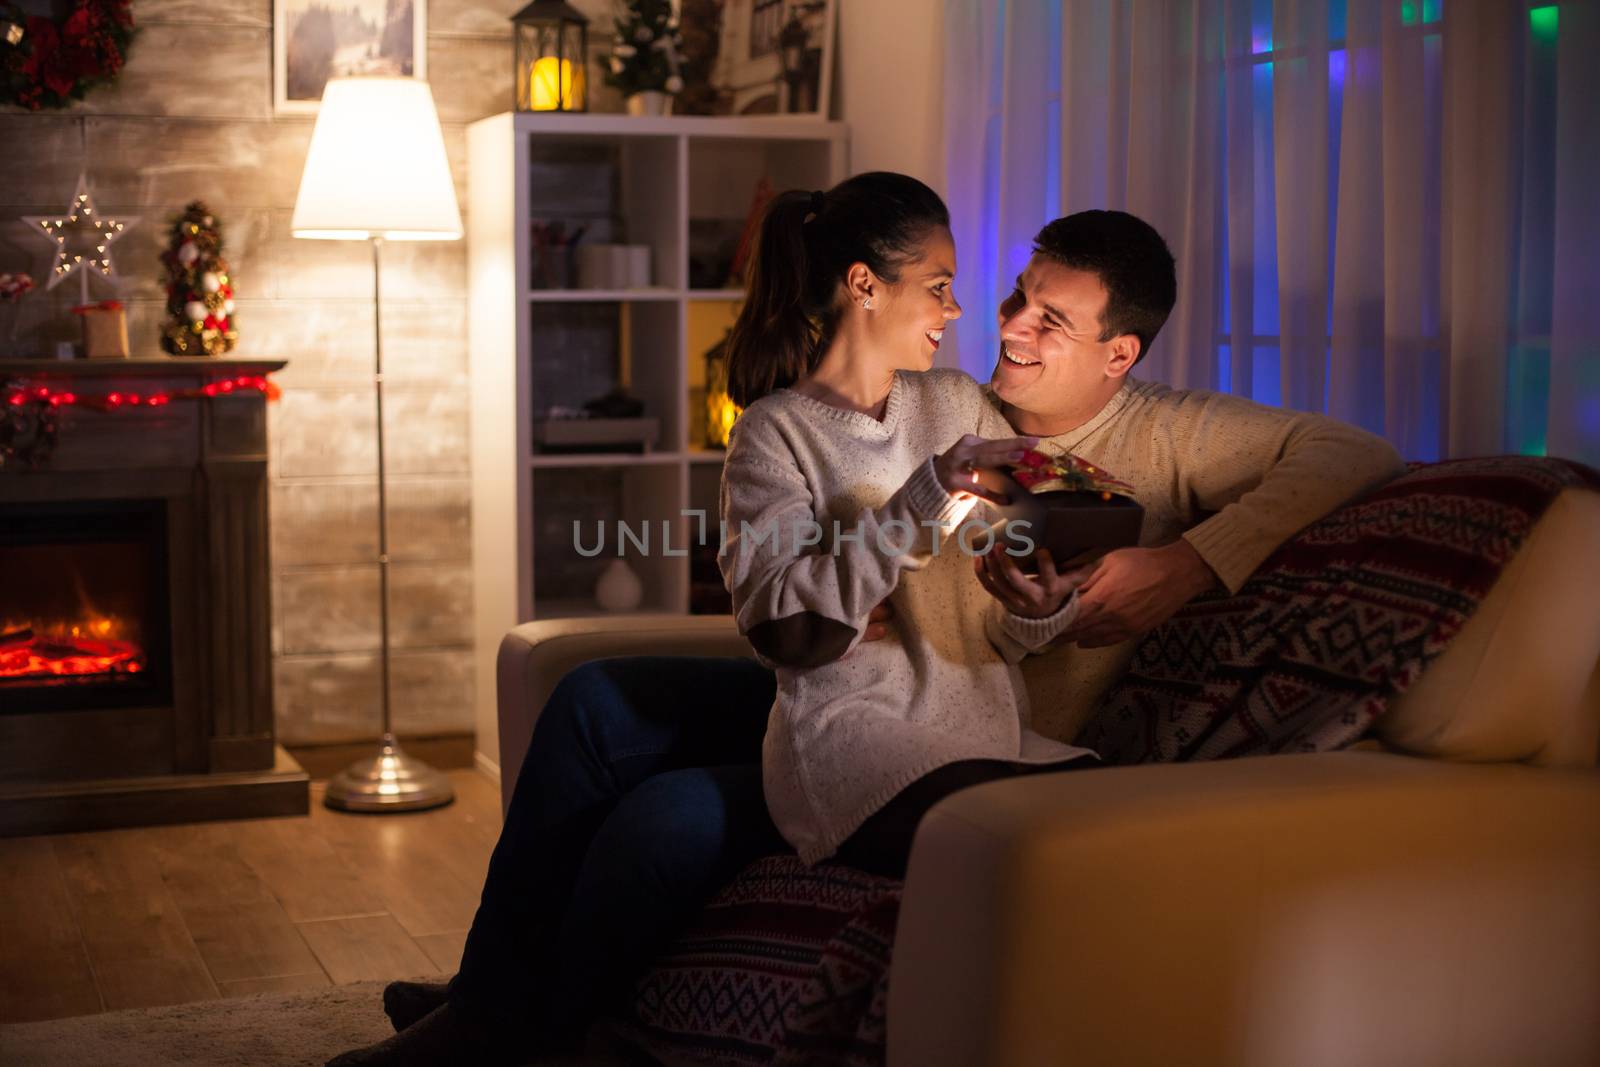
(46, 62)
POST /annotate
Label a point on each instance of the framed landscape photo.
(314, 40)
(758, 57)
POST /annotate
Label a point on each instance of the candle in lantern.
(554, 85)
(721, 411)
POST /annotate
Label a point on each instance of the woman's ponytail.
(806, 244)
(774, 340)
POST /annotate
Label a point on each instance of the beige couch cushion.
(1329, 909)
(1520, 682)
(535, 656)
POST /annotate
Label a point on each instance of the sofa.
(1430, 895)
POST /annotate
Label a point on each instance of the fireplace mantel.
(209, 750)
(140, 367)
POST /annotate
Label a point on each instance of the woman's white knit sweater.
(827, 512)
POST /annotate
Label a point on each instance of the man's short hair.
(1132, 262)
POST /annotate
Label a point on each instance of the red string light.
(17, 395)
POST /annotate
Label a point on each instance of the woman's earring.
(866, 302)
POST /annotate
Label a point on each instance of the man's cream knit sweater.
(827, 513)
(1234, 478)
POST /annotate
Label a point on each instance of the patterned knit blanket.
(1335, 624)
(790, 966)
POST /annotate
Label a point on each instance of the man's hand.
(1131, 591)
(1031, 598)
(878, 620)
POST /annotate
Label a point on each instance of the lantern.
(550, 50)
(721, 411)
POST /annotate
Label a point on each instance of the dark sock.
(437, 1039)
(406, 1002)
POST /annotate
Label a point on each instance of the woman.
(638, 796)
(845, 476)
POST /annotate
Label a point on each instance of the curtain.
(1386, 210)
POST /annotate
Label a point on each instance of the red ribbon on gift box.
(104, 305)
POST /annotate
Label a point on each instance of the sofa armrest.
(1334, 908)
(534, 657)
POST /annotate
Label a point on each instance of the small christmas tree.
(199, 290)
(648, 52)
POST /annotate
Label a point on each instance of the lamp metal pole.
(392, 780)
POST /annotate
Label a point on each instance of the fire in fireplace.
(71, 648)
(83, 609)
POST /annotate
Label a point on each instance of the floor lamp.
(377, 172)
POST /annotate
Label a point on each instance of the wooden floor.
(170, 914)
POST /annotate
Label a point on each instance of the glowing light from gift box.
(553, 85)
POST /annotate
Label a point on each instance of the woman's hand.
(957, 468)
(1031, 598)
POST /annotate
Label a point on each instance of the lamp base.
(389, 781)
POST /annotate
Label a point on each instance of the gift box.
(1070, 507)
(105, 330)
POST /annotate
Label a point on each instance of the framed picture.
(758, 57)
(314, 40)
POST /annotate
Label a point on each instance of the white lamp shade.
(377, 166)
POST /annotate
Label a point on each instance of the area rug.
(264, 1030)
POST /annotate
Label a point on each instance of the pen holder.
(552, 266)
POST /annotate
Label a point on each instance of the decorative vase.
(619, 589)
(650, 102)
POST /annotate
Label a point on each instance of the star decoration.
(81, 239)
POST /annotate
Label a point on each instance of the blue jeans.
(639, 797)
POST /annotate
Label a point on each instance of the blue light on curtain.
(1178, 113)
(1261, 364)
(1052, 159)
(1528, 365)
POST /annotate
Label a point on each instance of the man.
(1223, 481)
(641, 791)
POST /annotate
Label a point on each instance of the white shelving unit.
(631, 180)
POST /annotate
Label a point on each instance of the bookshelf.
(674, 184)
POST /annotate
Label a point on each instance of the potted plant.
(644, 62)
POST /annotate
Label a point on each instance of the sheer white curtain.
(1388, 210)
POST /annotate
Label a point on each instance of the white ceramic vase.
(619, 589)
(650, 102)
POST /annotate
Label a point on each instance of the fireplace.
(86, 621)
(135, 658)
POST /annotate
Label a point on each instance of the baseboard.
(451, 753)
(487, 767)
(106, 804)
